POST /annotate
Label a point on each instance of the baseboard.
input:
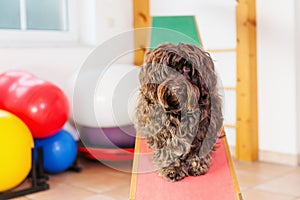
(279, 158)
(274, 157)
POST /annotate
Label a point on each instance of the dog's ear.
(149, 91)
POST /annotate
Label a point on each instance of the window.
(34, 14)
(38, 20)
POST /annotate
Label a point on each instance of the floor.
(97, 181)
(268, 181)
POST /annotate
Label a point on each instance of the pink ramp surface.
(218, 184)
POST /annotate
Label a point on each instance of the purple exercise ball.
(123, 137)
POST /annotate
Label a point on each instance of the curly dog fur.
(179, 110)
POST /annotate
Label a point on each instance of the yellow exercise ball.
(16, 143)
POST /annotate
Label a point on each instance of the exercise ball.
(16, 143)
(105, 96)
(59, 151)
(40, 104)
(70, 128)
(112, 137)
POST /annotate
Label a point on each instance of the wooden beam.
(141, 19)
(247, 122)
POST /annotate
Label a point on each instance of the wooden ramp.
(219, 183)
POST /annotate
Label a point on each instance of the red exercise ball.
(40, 104)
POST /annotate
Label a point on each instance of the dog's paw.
(197, 166)
(173, 173)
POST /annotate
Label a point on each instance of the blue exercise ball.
(59, 151)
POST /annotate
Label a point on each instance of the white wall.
(113, 17)
(54, 64)
(297, 50)
(276, 76)
(97, 20)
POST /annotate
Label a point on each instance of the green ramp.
(174, 29)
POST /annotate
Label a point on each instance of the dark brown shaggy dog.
(179, 111)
